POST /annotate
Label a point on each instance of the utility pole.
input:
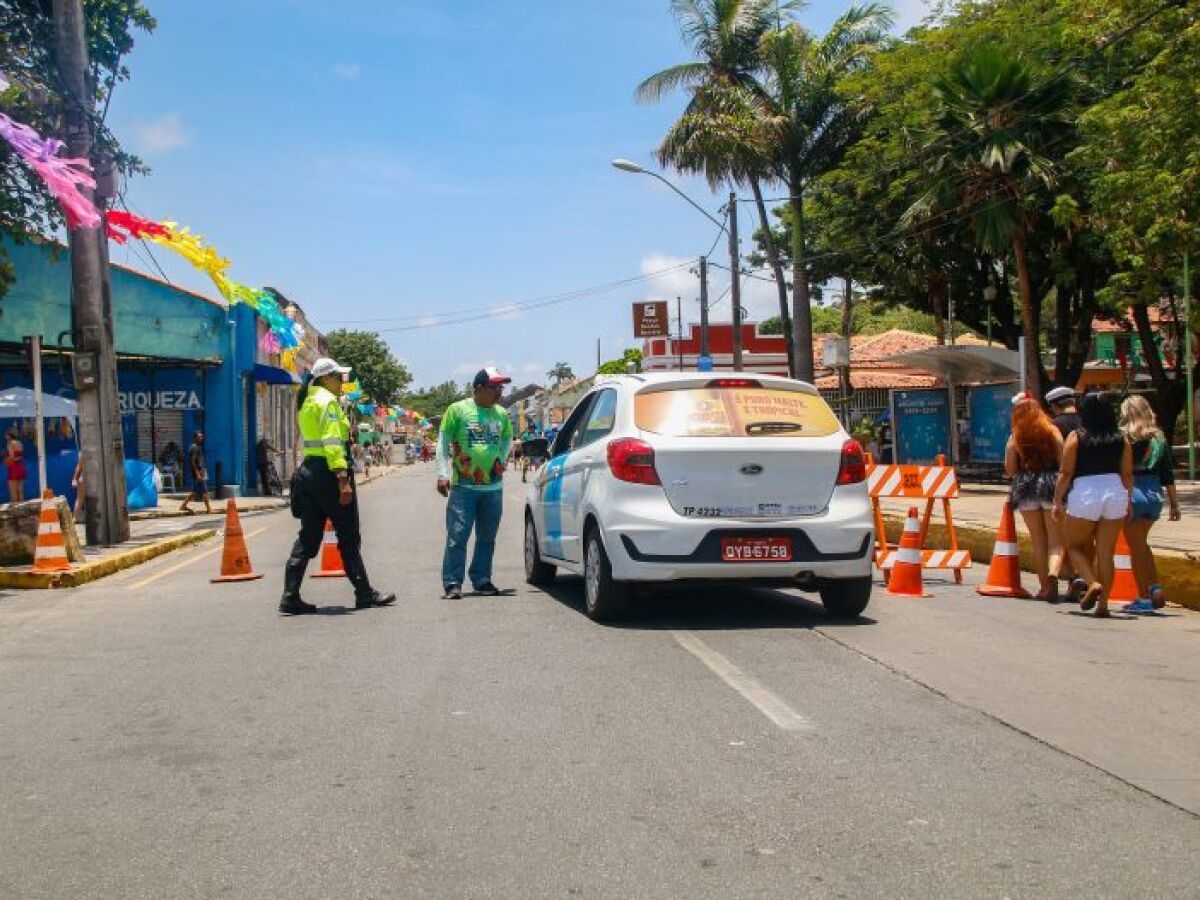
(735, 290)
(679, 327)
(705, 350)
(107, 516)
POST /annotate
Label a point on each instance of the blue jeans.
(467, 509)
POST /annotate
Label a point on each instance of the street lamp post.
(989, 297)
(627, 165)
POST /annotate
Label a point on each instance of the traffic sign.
(651, 320)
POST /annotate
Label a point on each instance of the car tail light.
(853, 469)
(734, 383)
(632, 460)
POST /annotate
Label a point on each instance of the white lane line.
(187, 562)
(764, 700)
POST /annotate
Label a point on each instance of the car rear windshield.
(733, 412)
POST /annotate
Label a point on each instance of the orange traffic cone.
(905, 580)
(1004, 574)
(331, 558)
(235, 559)
(50, 548)
(1124, 586)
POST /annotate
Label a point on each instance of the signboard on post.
(991, 421)
(921, 425)
(651, 320)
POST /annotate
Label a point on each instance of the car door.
(550, 483)
(587, 452)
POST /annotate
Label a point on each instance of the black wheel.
(845, 598)
(604, 599)
(536, 571)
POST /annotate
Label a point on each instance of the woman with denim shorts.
(1152, 479)
(1097, 471)
(1031, 459)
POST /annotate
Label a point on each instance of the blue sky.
(387, 163)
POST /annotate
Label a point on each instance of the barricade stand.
(928, 483)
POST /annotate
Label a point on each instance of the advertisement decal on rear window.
(734, 412)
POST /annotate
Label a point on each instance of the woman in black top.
(1097, 470)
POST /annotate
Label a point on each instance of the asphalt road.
(161, 736)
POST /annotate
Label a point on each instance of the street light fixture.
(989, 297)
(628, 165)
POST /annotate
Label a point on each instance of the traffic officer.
(323, 488)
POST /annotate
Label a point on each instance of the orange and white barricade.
(916, 482)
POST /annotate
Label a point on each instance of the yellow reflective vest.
(324, 428)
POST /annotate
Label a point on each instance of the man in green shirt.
(473, 445)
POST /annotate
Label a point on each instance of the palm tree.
(718, 135)
(811, 122)
(996, 121)
(560, 373)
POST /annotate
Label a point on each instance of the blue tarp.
(139, 485)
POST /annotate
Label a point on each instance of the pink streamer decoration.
(269, 343)
(63, 177)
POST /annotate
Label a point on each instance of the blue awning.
(274, 375)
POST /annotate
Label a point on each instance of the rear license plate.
(756, 549)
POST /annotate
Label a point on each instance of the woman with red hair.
(1031, 459)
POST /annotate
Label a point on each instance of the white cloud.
(470, 368)
(429, 321)
(347, 71)
(162, 134)
(505, 311)
(909, 13)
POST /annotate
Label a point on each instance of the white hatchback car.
(691, 476)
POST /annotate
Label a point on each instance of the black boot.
(294, 606)
(374, 598)
(293, 576)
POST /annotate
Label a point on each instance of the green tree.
(560, 373)
(720, 133)
(621, 366)
(36, 98)
(382, 376)
(432, 401)
(812, 122)
(997, 118)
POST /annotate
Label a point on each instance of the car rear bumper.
(648, 541)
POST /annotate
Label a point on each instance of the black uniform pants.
(315, 499)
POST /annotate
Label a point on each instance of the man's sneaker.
(1140, 607)
(296, 607)
(374, 599)
(487, 589)
(453, 592)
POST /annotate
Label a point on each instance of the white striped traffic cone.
(50, 549)
(331, 558)
(905, 577)
(1004, 574)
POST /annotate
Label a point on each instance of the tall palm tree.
(560, 373)
(811, 122)
(718, 134)
(996, 122)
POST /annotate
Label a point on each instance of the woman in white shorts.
(1097, 470)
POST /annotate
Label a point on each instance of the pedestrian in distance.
(1032, 458)
(77, 484)
(1092, 497)
(1063, 409)
(14, 461)
(1152, 478)
(263, 451)
(198, 469)
(473, 444)
(323, 490)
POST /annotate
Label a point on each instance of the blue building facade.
(186, 363)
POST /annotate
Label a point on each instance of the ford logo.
(751, 469)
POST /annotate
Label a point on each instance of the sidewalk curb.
(1180, 574)
(91, 571)
(150, 514)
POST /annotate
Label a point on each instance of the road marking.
(764, 700)
(187, 562)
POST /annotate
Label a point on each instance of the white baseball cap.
(326, 366)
